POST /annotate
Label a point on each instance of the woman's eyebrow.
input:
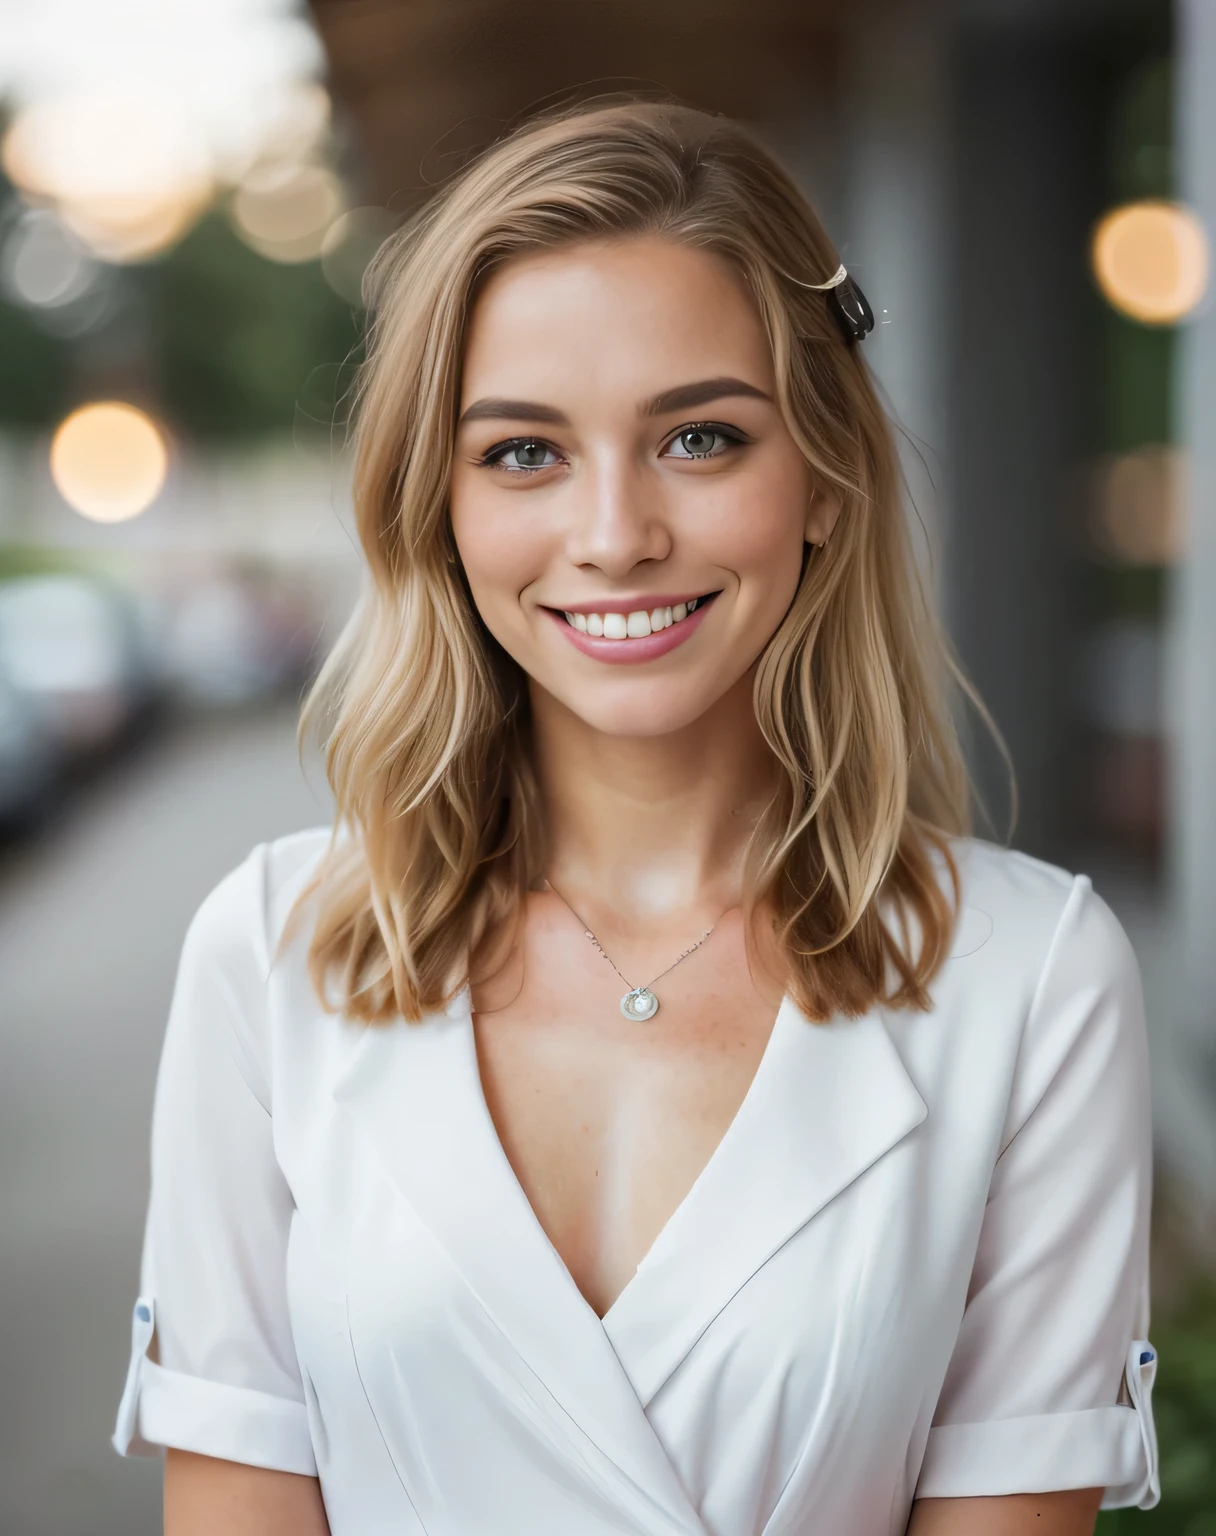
(514, 410)
(687, 396)
(683, 397)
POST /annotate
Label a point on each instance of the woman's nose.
(617, 521)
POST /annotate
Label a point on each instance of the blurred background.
(188, 197)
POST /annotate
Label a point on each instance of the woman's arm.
(206, 1497)
(1017, 1514)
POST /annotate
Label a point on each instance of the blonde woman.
(646, 1112)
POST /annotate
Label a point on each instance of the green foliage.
(234, 346)
(27, 560)
(1137, 384)
(246, 346)
(1184, 1404)
(1140, 155)
(35, 371)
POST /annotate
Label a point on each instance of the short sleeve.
(1050, 1381)
(213, 1367)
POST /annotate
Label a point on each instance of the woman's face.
(627, 501)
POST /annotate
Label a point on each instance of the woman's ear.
(821, 515)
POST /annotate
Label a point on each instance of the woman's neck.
(653, 829)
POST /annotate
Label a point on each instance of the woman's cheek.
(753, 530)
(501, 555)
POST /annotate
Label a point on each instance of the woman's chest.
(801, 1304)
(722, 1376)
(608, 1122)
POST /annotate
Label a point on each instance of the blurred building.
(963, 156)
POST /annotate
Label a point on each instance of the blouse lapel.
(415, 1090)
(827, 1102)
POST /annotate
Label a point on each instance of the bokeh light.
(293, 126)
(1151, 261)
(108, 461)
(349, 244)
(42, 263)
(1138, 513)
(127, 173)
(284, 210)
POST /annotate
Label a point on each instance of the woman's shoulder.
(238, 924)
(1033, 916)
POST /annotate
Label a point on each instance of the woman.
(648, 1113)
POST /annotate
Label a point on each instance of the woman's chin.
(637, 711)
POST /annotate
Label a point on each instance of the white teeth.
(631, 626)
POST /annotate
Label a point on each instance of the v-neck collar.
(826, 1101)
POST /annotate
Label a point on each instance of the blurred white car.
(73, 652)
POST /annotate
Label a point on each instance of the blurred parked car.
(77, 656)
(29, 759)
(236, 637)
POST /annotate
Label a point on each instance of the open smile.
(625, 631)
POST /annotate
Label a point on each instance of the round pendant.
(641, 1003)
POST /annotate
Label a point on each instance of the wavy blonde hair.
(425, 718)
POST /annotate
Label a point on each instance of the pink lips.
(644, 648)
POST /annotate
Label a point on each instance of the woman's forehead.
(637, 314)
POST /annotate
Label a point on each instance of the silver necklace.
(639, 1002)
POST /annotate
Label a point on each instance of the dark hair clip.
(853, 313)
(849, 305)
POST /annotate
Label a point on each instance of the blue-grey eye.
(698, 443)
(525, 454)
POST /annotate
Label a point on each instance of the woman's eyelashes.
(529, 452)
(698, 440)
(704, 440)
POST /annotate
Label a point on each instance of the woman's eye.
(700, 443)
(522, 454)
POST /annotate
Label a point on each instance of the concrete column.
(1186, 1068)
(894, 197)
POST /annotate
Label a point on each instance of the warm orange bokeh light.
(108, 461)
(1151, 261)
(125, 171)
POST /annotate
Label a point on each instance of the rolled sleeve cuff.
(1114, 1448)
(162, 1408)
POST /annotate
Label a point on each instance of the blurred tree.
(245, 346)
(1137, 408)
(35, 369)
(229, 345)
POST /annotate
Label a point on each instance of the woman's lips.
(639, 648)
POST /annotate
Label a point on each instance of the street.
(92, 916)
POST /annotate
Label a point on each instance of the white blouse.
(915, 1265)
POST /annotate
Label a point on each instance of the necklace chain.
(638, 1002)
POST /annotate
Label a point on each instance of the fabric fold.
(1112, 1448)
(161, 1408)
